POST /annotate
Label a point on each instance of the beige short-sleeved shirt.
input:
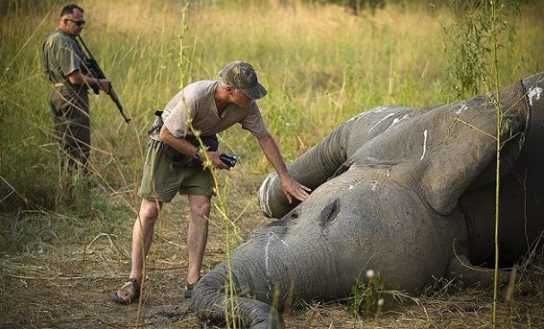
(195, 105)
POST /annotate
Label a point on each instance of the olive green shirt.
(194, 108)
(61, 56)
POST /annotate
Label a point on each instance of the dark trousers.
(70, 108)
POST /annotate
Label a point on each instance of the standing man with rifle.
(72, 72)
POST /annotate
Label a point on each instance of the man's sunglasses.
(78, 23)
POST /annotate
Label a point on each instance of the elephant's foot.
(467, 274)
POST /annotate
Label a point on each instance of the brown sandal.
(128, 293)
(189, 288)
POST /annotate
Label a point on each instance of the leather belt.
(69, 86)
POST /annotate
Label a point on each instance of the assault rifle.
(96, 72)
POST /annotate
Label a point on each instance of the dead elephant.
(394, 187)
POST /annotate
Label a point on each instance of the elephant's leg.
(327, 159)
(463, 271)
(311, 169)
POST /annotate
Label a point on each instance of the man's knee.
(149, 210)
(200, 207)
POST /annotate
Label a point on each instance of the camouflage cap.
(242, 75)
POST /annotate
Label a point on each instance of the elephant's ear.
(440, 152)
(462, 145)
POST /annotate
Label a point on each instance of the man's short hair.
(69, 9)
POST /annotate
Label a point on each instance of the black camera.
(229, 160)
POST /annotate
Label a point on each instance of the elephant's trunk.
(210, 302)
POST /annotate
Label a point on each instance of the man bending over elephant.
(173, 162)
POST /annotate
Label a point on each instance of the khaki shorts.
(163, 178)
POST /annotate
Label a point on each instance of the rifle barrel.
(101, 75)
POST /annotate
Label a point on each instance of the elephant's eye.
(329, 213)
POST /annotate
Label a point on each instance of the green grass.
(320, 64)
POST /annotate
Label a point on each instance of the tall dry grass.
(320, 64)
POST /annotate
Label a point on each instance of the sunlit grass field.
(320, 64)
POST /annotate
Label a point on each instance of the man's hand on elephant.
(292, 188)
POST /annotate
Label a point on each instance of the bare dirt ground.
(54, 281)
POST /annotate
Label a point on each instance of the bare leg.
(142, 235)
(197, 235)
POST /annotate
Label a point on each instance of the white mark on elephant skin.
(534, 92)
(424, 144)
(382, 120)
(270, 236)
(264, 196)
(350, 187)
(373, 185)
(372, 159)
(461, 109)
(397, 120)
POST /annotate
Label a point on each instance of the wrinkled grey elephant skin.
(393, 188)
